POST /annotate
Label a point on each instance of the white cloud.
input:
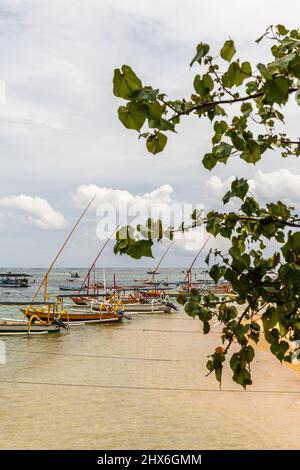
(38, 210)
(216, 188)
(279, 185)
(115, 206)
(84, 193)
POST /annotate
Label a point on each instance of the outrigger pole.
(45, 278)
(189, 271)
(95, 261)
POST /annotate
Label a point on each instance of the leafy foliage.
(263, 261)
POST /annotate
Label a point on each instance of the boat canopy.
(15, 275)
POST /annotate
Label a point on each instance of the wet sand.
(140, 384)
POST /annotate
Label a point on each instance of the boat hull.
(146, 308)
(21, 327)
(139, 307)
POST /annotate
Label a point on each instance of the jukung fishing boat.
(21, 327)
(155, 306)
(103, 313)
(33, 324)
(14, 280)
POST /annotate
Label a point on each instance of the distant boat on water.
(74, 274)
(71, 287)
(14, 280)
(153, 271)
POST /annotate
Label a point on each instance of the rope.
(133, 387)
(95, 356)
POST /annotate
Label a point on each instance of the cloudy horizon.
(60, 135)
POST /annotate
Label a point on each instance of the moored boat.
(21, 327)
(74, 274)
(151, 307)
(69, 287)
(14, 280)
(103, 314)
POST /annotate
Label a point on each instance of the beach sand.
(140, 385)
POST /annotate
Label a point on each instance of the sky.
(60, 137)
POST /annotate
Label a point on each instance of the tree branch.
(216, 103)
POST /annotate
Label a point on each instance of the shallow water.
(139, 384)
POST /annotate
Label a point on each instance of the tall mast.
(160, 261)
(189, 271)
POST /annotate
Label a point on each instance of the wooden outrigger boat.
(105, 313)
(152, 307)
(21, 327)
(33, 324)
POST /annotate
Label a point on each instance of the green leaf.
(291, 250)
(295, 66)
(202, 49)
(145, 94)
(270, 318)
(133, 115)
(290, 274)
(252, 153)
(209, 161)
(217, 272)
(156, 143)
(282, 30)
(279, 349)
(282, 63)
(213, 223)
(228, 50)
(239, 188)
(204, 85)
(246, 109)
(264, 71)
(222, 151)
(246, 69)
(242, 377)
(140, 248)
(276, 90)
(125, 82)
(155, 110)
